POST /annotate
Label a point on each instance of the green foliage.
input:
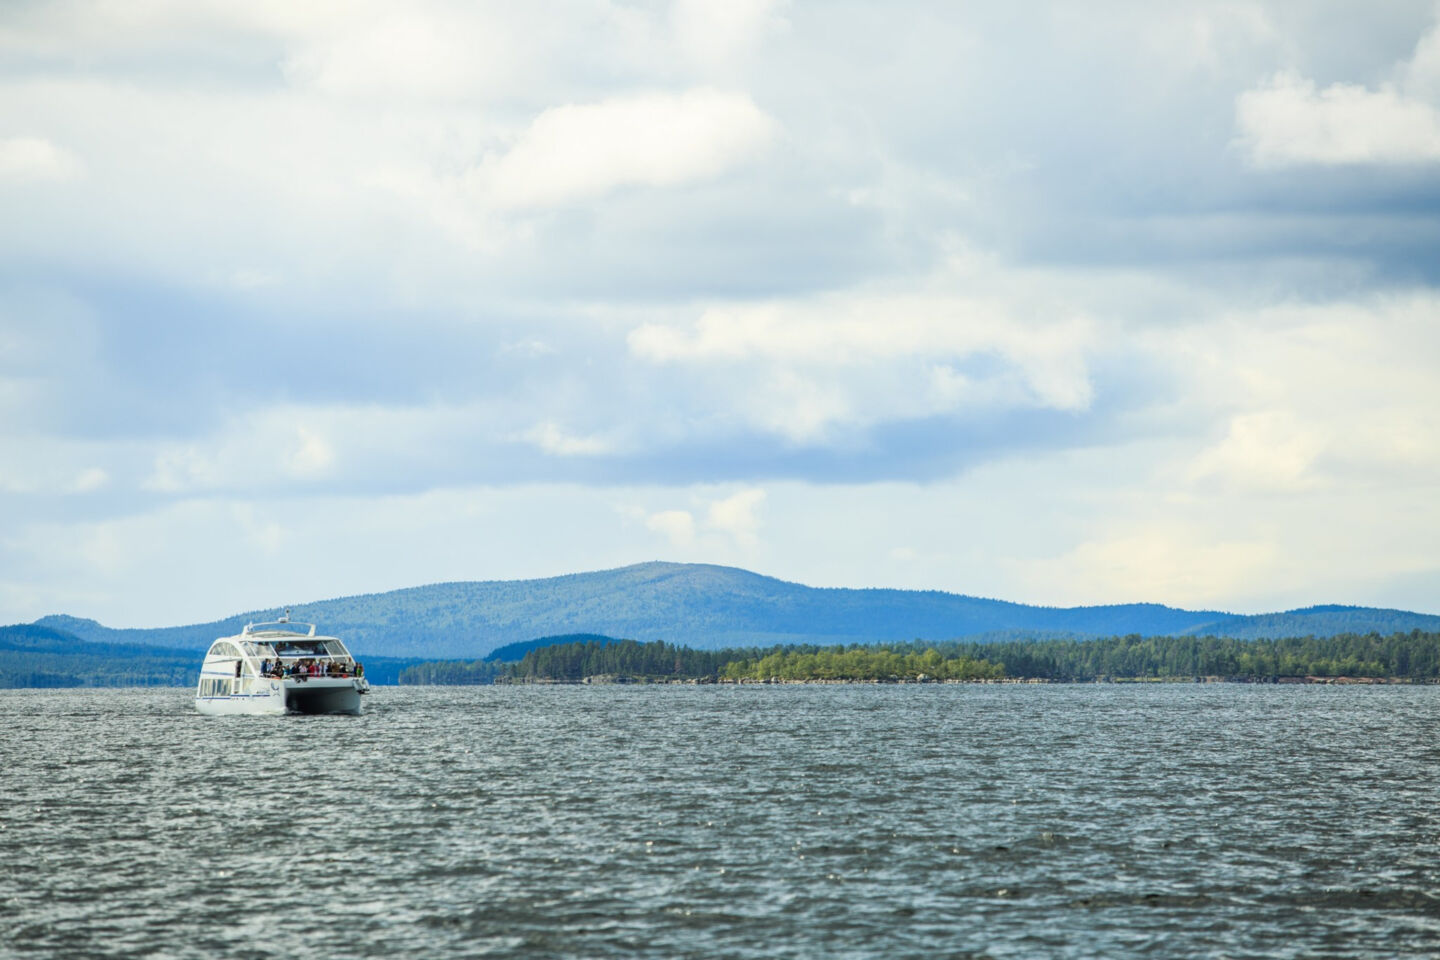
(861, 663)
(512, 652)
(575, 661)
(1414, 655)
(37, 656)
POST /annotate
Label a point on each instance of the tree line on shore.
(862, 663)
(33, 656)
(1414, 655)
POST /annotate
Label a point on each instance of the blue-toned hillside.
(709, 607)
(33, 655)
(516, 651)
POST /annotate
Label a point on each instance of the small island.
(1411, 657)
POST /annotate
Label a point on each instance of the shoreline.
(624, 680)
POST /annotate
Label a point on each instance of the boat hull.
(261, 696)
(323, 695)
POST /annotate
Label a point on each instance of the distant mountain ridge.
(34, 655)
(710, 607)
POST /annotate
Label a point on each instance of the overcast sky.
(1054, 302)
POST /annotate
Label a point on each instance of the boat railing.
(349, 666)
(281, 627)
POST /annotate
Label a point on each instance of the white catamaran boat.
(279, 667)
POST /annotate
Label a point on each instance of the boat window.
(214, 688)
(299, 648)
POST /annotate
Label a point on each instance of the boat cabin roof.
(279, 628)
(308, 647)
(278, 645)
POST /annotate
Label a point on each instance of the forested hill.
(710, 607)
(38, 656)
(515, 651)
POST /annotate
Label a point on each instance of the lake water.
(750, 822)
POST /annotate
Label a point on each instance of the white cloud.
(264, 533)
(1314, 396)
(677, 525)
(859, 329)
(1420, 77)
(35, 158)
(1264, 451)
(730, 521)
(90, 480)
(798, 407)
(50, 476)
(579, 151)
(530, 349)
(268, 449)
(1170, 562)
(714, 32)
(548, 436)
(800, 367)
(414, 53)
(1287, 122)
(736, 516)
(180, 469)
(245, 278)
(311, 455)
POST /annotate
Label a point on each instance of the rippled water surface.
(1010, 821)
